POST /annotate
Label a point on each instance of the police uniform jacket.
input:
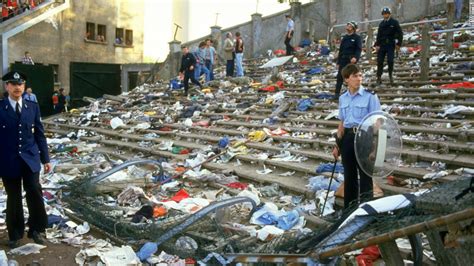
(187, 61)
(388, 32)
(21, 138)
(351, 46)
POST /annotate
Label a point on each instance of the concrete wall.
(60, 40)
(263, 33)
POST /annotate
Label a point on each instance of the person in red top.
(4, 12)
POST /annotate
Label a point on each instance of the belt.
(350, 130)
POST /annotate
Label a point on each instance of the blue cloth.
(223, 142)
(288, 220)
(305, 43)
(304, 104)
(325, 50)
(147, 250)
(320, 182)
(175, 84)
(316, 70)
(55, 219)
(353, 108)
(267, 218)
(327, 167)
(305, 79)
(324, 95)
(30, 97)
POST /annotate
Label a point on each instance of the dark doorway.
(93, 80)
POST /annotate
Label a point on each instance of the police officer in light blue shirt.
(354, 105)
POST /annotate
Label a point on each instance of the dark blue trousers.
(37, 220)
(385, 51)
(353, 187)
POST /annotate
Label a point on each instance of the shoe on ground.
(13, 244)
(379, 81)
(37, 237)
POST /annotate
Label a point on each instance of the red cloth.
(184, 151)
(304, 62)
(280, 84)
(279, 52)
(368, 256)
(456, 45)
(269, 88)
(237, 185)
(204, 123)
(180, 195)
(465, 84)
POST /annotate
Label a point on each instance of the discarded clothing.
(327, 167)
(304, 104)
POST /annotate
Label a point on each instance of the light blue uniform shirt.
(30, 97)
(353, 108)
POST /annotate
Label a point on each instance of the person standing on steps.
(354, 105)
(389, 38)
(290, 30)
(188, 63)
(349, 52)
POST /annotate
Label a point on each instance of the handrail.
(123, 166)
(451, 30)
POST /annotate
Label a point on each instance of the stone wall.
(316, 18)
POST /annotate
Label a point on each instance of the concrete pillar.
(368, 45)
(4, 56)
(425, 53)
(296, 14)
(175, 55)
(449, 35)
(216, 37)
(257, 26)
(332, 9)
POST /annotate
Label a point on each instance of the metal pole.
(329, 187)
(449, 36)
(425, 54)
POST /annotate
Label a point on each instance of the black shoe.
(37, 237)
(391, 80)
(379, 81)
(13, 244)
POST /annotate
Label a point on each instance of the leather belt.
(350, 130)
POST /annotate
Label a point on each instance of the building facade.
(88, 31)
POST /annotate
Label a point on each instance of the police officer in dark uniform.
(188, 62)
(354, 105)
(349, 52)
(22, 150)
(389, 38)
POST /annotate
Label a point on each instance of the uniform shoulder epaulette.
(371, 92)
(30, 101)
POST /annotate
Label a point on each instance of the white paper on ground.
(278, 61)
(27, 249)
(120, 256)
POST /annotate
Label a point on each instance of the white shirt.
(290, 26)
(13, 103)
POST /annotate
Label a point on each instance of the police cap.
(15, 77)
(386, 10)
(353, 24)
